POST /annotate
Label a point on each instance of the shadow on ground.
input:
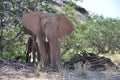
(10, 70)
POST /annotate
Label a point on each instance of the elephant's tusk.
(46, 39)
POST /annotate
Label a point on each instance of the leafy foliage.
(92, 33)
(11, 35)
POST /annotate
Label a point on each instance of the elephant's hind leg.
(28, 50)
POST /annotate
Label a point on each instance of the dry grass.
(114, 57)
(111, 72)
(108, 74)
(80, 73)
(83, 73)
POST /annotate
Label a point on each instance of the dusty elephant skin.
(47, 27)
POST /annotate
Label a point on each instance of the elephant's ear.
(65, 26)
(31, 21)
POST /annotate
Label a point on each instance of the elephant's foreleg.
(54, 51)
(38, 51)
(59, 61)
(42, 48)
(48, 52)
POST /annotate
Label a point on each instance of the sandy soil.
(10, 70)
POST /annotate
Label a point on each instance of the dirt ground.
(10, 70)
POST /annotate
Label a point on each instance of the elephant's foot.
(48, 69)
(44, 69)
(52, 70)
(55, 70)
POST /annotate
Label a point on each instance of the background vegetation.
(92, 33)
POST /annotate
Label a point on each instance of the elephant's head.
(31, 21)
(52, 26)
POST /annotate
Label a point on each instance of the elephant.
(31, 47)
(48, 28)
(30, 51)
